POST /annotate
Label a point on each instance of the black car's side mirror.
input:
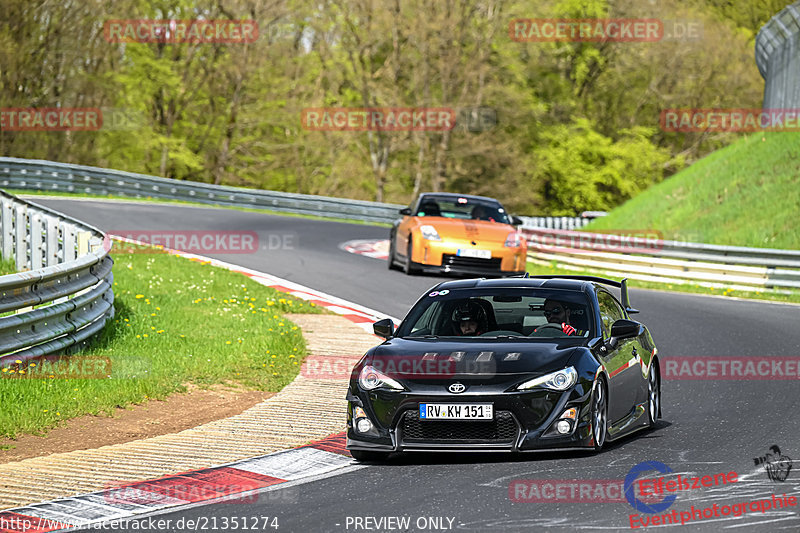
(384, 328)
(516, 221)
(624, 329)
(405, 211)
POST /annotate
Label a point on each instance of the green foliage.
(584, 170)
(747, 194)
(230, 113)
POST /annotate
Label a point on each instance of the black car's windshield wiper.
(422, 337)
(505, 337)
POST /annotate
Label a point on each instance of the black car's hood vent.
(446, 359)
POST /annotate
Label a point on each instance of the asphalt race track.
(708, 427)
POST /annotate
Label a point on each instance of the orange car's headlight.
(514, 240)
(429, 233)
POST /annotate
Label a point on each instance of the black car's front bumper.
(523, 421)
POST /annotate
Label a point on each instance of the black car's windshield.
(462, 207)
(500, 313)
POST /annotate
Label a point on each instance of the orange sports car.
(443, 232)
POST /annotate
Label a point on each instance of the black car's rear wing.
(621, 285)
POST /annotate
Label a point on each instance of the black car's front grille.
(449, 260)
(503, 429)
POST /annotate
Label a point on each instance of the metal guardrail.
(735, 267)
(568, 223)
(62, 293)
(64, 178)
(677, 262)
(54, 177)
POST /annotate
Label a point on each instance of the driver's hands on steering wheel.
(564, 327)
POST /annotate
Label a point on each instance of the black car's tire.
(599, 413)
(653, 396)
(369, 456)
(392, 266)
(408, 268)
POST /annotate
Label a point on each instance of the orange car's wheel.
(408, 268)
(391, 259)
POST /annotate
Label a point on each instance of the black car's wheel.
(408, 268)
(599, 413)
(653, 396)
(369, 456)
(391, 252)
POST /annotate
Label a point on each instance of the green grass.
(7, 266)
(177, 322)
(783, 296)
(747, 194)
(195, 204)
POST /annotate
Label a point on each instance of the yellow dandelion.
(139, 296)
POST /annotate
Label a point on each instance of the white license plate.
(456, 411)
(480, 254)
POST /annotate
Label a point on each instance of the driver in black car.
(470, 319)
(559, 314)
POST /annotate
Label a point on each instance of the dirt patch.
(176, 413)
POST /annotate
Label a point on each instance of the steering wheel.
(498, 332)
(548, 325)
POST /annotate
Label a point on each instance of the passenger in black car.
(470, 319)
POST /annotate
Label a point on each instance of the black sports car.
(515, 364)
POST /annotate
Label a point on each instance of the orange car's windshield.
(463, 208)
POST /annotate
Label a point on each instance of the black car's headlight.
(560, 380)
(371, 379)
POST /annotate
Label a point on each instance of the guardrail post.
(51, 237)
(21, 240)
(68, 242)
(37, 241)
(7, 219)
(83, 242)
